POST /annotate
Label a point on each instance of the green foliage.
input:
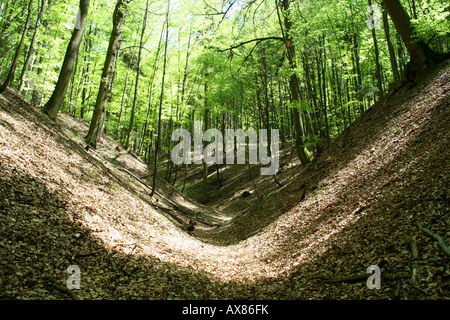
(248, 85)
(433, 24)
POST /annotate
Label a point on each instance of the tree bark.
(12, 70)
(94, 128)
(158, 139)
(299, 133)
(377, 60)
(138, 73)
(54, 103)
(393, 58)
(31, 50)
(422, 57)
(150, 87)
(85, 74)
(205, 197)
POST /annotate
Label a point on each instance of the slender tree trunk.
(158, 139)
(324, 89)
(53, 105)
(186, 67)
(392, 57)
(183, 92)
(356, 59)
(150, 87)
(12, 70)
(205, 197)
(138, 73)
(302, 151)
(32, 44)
(377, 60)
(36, 94)
(72, 84)
(124, 128)
(122, 104)
(111, 55)
(85, 74)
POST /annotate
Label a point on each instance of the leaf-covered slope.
(356, 206)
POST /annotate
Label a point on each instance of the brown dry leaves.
(355, 206)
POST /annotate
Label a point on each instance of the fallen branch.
(88, 148)
(105, 168)
(356, 277)
(134, 176)
(175, 205)
(206, 223)
(433, 235)
(156, 192)
(64, 290)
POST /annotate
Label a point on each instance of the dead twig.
(433, 235)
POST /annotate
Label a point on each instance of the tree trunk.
(205, 197)
(377, 59)
(54, 103)
(94, 128)
(150, 87)
(36, 95)
(72, 84)
(122, 105)
(392, 57)
(85, 74)
(32, 44)
(302, 151)
(138, 72)
(422, 57)
(12, 70)
(158, 139)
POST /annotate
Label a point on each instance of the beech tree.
(31, 48)
(13, 67)
(161, 100)
(307, 68)
(53, 105)
(422, 57)
(302, 151)
(111, 56)
(138, 75)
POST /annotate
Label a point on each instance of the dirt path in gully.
(357, 205)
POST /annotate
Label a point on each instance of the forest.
(102, 95)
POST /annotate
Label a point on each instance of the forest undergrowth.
(362, 202)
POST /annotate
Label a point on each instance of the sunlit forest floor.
(358, 204)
